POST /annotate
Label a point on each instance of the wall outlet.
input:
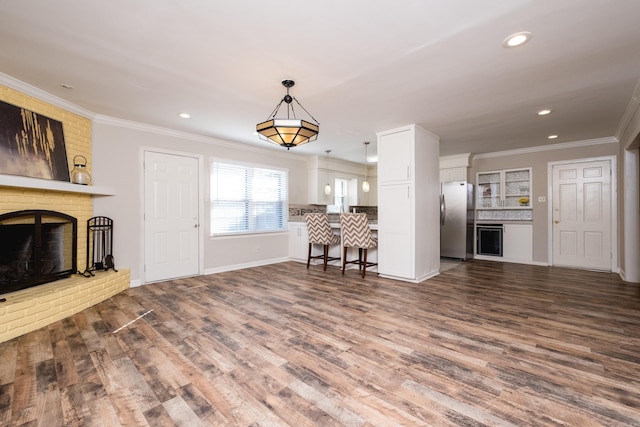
(542, 199)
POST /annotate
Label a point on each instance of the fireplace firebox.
(36, 247)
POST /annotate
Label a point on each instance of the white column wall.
(631, 272)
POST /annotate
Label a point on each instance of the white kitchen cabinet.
(318, 179)
(322, 171)
(453, 174)
(408, 219)
(357, 197)
(298, 242)
(517, 242)
(504, 189)
(299, 245)
(395, 226)
(397, 151)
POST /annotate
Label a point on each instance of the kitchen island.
(299, 245)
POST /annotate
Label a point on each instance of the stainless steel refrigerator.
(456, 220)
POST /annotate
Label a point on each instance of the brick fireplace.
(29, 309)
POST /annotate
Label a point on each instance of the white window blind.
(341, 193)
(247, 199)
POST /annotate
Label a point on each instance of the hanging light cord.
(366, 145)
(288, 98)
(305, 110)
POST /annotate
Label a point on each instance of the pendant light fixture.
(327, 187)
(289, 132)
(365, 183)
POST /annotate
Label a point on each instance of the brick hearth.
(30, 309)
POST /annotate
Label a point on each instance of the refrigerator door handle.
(443, 210)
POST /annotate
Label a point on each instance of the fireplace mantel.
(53, 185)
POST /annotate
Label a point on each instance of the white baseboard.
(405, 279)
(623, 276)
(516, 261)
(245, 265)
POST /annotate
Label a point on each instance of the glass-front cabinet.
(517, 188)
(504, 189)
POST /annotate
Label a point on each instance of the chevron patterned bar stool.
(357, 234)
(320, 234)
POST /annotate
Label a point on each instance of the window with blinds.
(247, 199)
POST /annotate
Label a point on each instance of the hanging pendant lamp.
(327, 186)
(291, 131)
(365, 183)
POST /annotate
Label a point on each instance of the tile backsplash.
(505, 214)
(297, 212)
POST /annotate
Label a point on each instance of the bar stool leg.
(326, 256)
(344, 259)
(309, 256)
(364, 265)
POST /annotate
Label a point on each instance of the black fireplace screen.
(36, 247)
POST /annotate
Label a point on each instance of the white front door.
(581, 208)
(170, 216)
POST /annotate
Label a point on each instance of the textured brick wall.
(77, 129)
(77, 136)
(34, 311)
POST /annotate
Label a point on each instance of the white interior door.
(171, 216)
(581, 207)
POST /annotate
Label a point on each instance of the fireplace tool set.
(99, 245)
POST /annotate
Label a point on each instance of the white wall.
(117, 163)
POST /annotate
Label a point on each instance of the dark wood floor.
(482, 344)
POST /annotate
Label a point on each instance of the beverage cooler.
(489, 239)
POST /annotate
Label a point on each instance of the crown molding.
(40, 94)
(159, 130)
(537, 149)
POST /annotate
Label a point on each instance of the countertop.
(373, 224)
(506, 221)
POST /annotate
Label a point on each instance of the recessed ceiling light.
(544, 112)
(517, 39)
(185, 115)
(552, 136)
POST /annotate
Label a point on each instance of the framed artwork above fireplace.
(31, 144)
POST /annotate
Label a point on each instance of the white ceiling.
(360, 66)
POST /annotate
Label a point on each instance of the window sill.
(249, 234)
